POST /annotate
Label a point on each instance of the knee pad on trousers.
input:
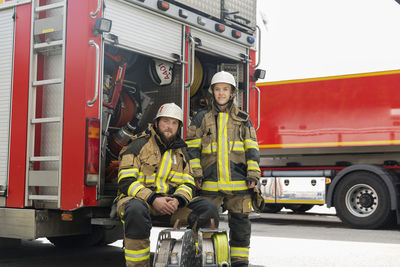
(136, 219)
(202, 211)
(240, 229)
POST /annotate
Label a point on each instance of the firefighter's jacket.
(148, 169)
(224, 151)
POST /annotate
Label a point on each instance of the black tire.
(299, 208)
(362, 201)
(272, 208)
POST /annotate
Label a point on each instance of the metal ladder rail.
(39, 178)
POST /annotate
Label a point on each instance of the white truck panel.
(6, 56)
(143, 31)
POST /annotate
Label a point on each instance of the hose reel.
(212, 248)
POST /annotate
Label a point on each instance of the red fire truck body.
(79, 78)
(342, 131)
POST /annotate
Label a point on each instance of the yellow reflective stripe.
(127, 173)
(231, 186)
(134, 188)
(195, 143)
(151, 179)
(223, 160)
(162, 175)
(137, 255)
(206, 149)
(195, 163)
(239, 252)
(185, 188)
(176, 177)
(252, 165)
(187, 178)
(210, 148)
(210, 186)
(140, 177)
(248, 143)
(237, 146)
(214, 147)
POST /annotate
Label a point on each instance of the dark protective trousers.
(239, 207)
(138, 218)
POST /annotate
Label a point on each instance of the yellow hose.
(198, 77)
(221, 248)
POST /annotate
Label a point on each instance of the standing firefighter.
(224, 157)
(156, 185)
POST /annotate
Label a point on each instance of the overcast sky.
(314, 38)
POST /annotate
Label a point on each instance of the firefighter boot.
(137, 252)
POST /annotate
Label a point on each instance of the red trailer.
(79, 78)
(332, 140)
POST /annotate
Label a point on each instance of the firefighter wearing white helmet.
(223, 89)
(224, 153)
(155, 182)
(170, 110)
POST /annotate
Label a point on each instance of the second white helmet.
(223, 77)
(170, 110)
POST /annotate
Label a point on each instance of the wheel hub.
(366, 200)
(361, 200)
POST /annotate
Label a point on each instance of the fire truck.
(332, 140)
(79, 78)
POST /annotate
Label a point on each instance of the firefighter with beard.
(224, 153)
(156, 184)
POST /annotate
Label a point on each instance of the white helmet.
(161, 72)
(223, 77)
(170, 110)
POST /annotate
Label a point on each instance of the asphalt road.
(285, 239)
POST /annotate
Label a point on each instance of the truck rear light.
(163, 5)
(219, 27)
(92, 151)
(250, 40)
(236, 34)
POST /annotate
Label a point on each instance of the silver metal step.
(45, 158)
(48, 44)
(46, 120)
(43, 197)
(49, 7)
(47, 82)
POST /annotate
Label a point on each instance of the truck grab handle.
(94, 14)
(258, 47)
(96, 89)
(258, 106)
(192, 58)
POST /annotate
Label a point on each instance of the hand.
(165, 205)
(174, 202)
(199, 182)
(251, 184)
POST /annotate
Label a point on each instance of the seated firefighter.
(156, 184)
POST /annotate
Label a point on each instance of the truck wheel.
(272, 208)
(362, 201)
(299, 208)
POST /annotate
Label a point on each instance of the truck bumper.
(32, 224)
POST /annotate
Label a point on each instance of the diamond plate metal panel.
(246, 8)
(210, 7)
(143, 31)
(51, 103)
(6, 50)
